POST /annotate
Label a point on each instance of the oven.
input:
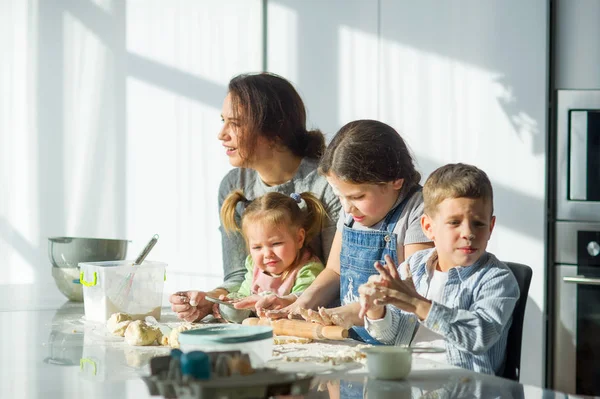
(576, 365)
(578, 155)
(575, 258)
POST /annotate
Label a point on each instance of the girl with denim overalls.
(370, 169)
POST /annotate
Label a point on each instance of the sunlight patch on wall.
(283, 47)
(212, 40)
(92, 141)
(19, 227)
(451, 111)
(106, 5)
(177, 80)
(358, 54)
(174, 166)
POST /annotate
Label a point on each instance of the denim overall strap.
(360, 250)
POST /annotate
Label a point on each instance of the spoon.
(146, 250)
(220, 302)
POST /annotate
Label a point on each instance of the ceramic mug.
(388, 362)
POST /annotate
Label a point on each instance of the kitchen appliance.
(576, 346)
(575, 286)
(578, 155)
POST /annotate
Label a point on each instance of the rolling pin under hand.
(299, 328)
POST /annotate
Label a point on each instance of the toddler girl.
(277, 229)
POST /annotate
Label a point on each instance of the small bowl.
(228, 312)
(234, 315)
(388, 362)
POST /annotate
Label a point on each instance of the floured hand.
(190, 305)
(344, 316)
(369, 300)
(398, 292)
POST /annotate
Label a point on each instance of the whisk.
(125, 286)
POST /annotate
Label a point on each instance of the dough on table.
(118, 323)
(286, 339)
(138, 333)
(173, 340)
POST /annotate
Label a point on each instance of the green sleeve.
(244, 290)
(307, 275)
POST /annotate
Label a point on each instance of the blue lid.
(225, 334)
(196, 364)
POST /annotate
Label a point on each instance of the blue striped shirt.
(474, 314)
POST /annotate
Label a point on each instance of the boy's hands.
(369, 296)
(389, 288)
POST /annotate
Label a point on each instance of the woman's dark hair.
(368, 151)
(269, 106)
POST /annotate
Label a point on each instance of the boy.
(455, 295)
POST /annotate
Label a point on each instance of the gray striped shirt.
(474, 314)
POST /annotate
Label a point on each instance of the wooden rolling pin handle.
(334, 332)
(255, 321)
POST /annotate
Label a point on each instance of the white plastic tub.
(120, 286)
(256, 341)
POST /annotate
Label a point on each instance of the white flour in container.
(101, 310)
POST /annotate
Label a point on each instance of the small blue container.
(196, 364)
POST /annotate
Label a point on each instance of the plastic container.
(120, 286)
(256, 341)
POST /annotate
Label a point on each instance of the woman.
(265, 138)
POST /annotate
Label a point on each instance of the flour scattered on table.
(286, 339)
(319, 353)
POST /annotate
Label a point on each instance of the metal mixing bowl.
(65, 253)
(69, 251)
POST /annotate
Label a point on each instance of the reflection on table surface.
(57, 353)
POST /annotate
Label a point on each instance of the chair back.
(512, 363)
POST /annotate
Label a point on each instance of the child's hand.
(369, 296)
(274, 302)
(263, 303)
(398, 292)
(344, 316)
(247, 303)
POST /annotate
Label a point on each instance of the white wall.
(462, 81)
(109, 115)
(109, 112)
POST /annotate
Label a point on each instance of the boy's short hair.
(457, 180)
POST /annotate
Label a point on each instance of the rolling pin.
(299, 328)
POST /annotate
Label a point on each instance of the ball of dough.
(117, 323)
(138, 333)
(164, 340)
(174, 335)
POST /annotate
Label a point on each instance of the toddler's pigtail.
(228, 211)
(315, 216)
